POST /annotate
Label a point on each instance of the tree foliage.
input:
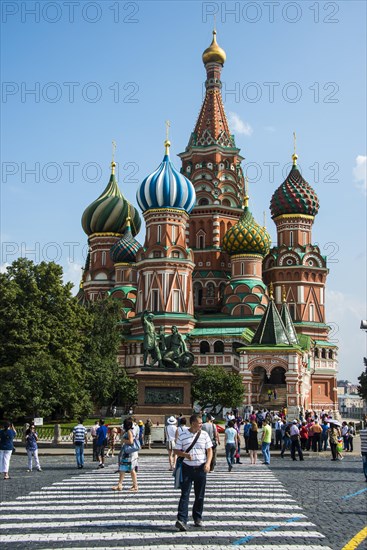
(107, 382)
(42, 340)
(215, 387)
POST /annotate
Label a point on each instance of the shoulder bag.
(177, 472)
(133, 448)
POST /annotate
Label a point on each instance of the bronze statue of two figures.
(168, 351)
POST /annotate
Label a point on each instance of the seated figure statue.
(176, 353)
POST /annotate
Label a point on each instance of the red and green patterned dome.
(246, 237)
(108, 213)
(294, 196)
(126, 248)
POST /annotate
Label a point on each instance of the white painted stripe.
(261, 516)
(152, 523)
(76, 496)
(151, 537)
(80, 502)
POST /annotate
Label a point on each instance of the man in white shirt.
(195, 466)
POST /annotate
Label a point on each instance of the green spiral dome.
(108, 213)
(246, 237)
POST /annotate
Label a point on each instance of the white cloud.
(73, 273)
(239, 126)
(3, 267)
(344, 313)
(360, 172)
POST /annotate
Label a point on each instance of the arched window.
(198, 294)
(204, 347)
(203, 202)
(323, 353)
(331, 355)
(291, 238)
(226, 202)
(200, 240)
(317, 354)
(103, 257)
(218, 347)
(159, 233)
(174, 228)
(242, 268)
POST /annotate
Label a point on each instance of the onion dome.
(214, 54)
(109, 212)
(294, 196)
(166, 188)
(246, 236)
(126, 248)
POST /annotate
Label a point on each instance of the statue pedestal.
(163, 392)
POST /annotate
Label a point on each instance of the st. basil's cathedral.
(207, 266)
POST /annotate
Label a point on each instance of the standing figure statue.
(177, 354)
(150, 343)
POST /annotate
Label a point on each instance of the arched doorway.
(277, 376)
(259, 375)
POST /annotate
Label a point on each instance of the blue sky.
(298, 66)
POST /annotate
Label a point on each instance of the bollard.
(57, 434)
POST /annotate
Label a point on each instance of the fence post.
(57, 434)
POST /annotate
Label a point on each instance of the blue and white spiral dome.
(166, 188)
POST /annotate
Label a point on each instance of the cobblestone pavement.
(287, 506)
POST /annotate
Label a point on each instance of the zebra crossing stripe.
(84, 511)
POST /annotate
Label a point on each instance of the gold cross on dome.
(113, 150)
(294, 142)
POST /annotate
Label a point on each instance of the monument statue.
(168, 351)
(150, 343)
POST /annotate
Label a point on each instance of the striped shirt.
(363, 434)
(198, 452)
(79, 432)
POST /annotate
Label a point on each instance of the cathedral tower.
(295, 262)
(213, 163)
(165, 263)
(104, 222)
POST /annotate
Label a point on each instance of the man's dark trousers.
(295, 445)
(196, 475)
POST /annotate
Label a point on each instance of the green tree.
(42, 339)
(215, 387)
(362, 379)
(107, 381)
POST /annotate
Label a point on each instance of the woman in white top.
(170, 430)
(231, 441)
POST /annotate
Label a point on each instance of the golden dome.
(214, 54)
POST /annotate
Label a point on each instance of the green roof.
(271, 330)
(241, 332)
(324, 344)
